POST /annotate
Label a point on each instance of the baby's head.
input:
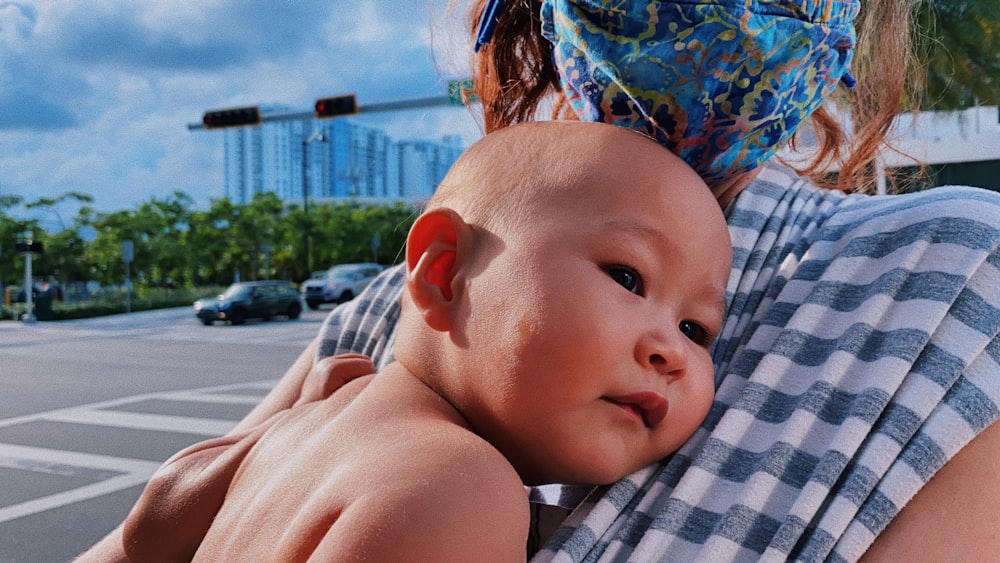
(564, 287)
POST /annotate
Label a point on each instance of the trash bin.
(42, 307)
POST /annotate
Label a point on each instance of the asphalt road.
(88, 409)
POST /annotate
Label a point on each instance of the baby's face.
(593, 324)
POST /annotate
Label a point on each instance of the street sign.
(128, 251)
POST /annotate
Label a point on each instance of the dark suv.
(250, 300)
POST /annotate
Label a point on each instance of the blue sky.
(96, 95)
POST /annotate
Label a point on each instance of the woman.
(860, 354)
(859, 359)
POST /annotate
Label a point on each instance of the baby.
(557, 320)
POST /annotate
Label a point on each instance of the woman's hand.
(331, 374)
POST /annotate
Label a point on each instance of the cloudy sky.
(96, 95)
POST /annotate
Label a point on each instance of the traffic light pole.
(395, 105)
(29, 286)
(28, 247)
(307, 232)
(324, 108)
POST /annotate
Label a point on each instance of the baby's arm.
(177, 506)
(391, 478)
(179, 503)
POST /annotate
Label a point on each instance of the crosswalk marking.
(139, 421)
(217, 398)
(57, 500)
(123, 473)
(12, 455)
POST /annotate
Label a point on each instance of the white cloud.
(95, 95)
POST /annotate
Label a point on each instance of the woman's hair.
(514, 74)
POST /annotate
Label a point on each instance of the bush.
(112, 302)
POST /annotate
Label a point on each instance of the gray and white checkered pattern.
(860, 353)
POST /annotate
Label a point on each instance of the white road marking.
(216, 398)
(138, 421)
(130, 472)
(58, 500)
(182, 395)
(11, 453)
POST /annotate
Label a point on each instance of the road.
(89, 408)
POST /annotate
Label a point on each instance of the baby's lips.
(652, 406)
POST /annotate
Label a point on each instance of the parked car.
(250, 300)
(338, 284)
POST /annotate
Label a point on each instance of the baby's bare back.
(393, 474)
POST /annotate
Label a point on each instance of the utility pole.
(28, 247)
(319, 138)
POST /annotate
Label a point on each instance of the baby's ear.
(432, 263)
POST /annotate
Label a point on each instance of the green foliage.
(113, 303)
(960, 42)
(177, 247)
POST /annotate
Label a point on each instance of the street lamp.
(319, 138)
(26, 246)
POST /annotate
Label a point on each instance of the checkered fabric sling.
(860, 353)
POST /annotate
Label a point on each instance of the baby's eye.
(626, 277)
(697, 333)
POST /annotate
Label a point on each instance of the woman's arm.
(955, 517)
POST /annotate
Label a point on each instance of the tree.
(344, 232)
(960, 42)
(254, 227)
(52, 204)
(390, 224)
(103, 256)
(209, 243)
(162, 224)
(11, 264)
(209, 247)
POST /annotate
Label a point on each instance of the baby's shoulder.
(439, 486)
(441, 458)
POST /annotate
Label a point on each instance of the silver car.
(338, 284)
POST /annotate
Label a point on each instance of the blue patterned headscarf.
(722, 83)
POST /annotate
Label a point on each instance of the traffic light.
(337, 105)
(234, 117)
(32, 246)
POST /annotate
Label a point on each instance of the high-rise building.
(335, 158)
(423, 164)
(359, 158)
(262, 158)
